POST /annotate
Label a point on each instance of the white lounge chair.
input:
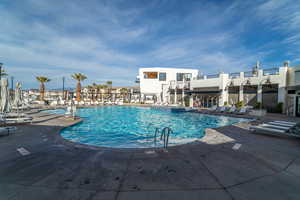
(275, 126)
(223, 109)
(275, 130)
(18, 120)
(242, 111)
(281, 124)
(286, 122)
(232, 109)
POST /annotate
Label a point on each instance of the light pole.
(63, 87)
(1, 64)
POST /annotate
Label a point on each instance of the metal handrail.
(165, 134)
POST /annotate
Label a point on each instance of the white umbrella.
(18, 95)
(5, 104)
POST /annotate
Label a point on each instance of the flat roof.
(166, 68)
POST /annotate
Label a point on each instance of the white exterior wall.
(224, 80)
(154, 86)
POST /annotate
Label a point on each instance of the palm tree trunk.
(42, 91)
(78, 91)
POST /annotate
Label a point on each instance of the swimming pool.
(134, 127)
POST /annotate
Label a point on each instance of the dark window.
(292, 92)
(180, 76)
(162, 76)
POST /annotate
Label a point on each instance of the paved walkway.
(263, 167)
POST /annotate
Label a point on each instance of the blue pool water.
(134, 127)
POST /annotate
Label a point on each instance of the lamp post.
(63, 88)
(1, 64)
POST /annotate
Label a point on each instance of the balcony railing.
(249, 74)
(272, 71)
(212, 76)
(199, 77)
(234, 75)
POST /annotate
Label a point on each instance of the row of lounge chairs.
(226, 109)
(278, 128)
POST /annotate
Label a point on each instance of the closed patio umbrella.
(18, 95)
(5, 104)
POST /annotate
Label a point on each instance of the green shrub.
(186, 101)
(239, 104)
(225, 103)
(258, 105)
(279, 107)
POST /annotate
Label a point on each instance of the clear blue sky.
(110, 40)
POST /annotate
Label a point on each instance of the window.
(162, 76)
(150, 75)
(292, 92)
(187, 76)
(297, 77)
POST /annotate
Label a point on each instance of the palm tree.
(3, 73)
(109, 86)
(78, 77)
(124, 92)
(42, 80)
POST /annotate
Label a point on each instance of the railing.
(212, 76)
(165, 133)
(249, 74)
(234, 75)
(199, 77)
(272, 71)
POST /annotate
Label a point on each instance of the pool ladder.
(163, 136)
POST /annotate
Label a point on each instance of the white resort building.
(155, 83)
(276, 89)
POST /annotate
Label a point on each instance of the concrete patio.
(263, 167)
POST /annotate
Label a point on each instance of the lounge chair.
(222, 109)
(278, 130)
(242, 111)
(18, 120)
(281, 124)
(267, 125)
(232, 109)
(213, 108)
(286, 122)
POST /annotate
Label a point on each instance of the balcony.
(234, 75)
(212, 76)
(249, 74)
(272, 71)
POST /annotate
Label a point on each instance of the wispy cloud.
(110, 40)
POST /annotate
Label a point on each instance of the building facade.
(293, 91)
(155, 83)
(275, 89)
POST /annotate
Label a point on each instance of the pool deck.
(264, 167)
